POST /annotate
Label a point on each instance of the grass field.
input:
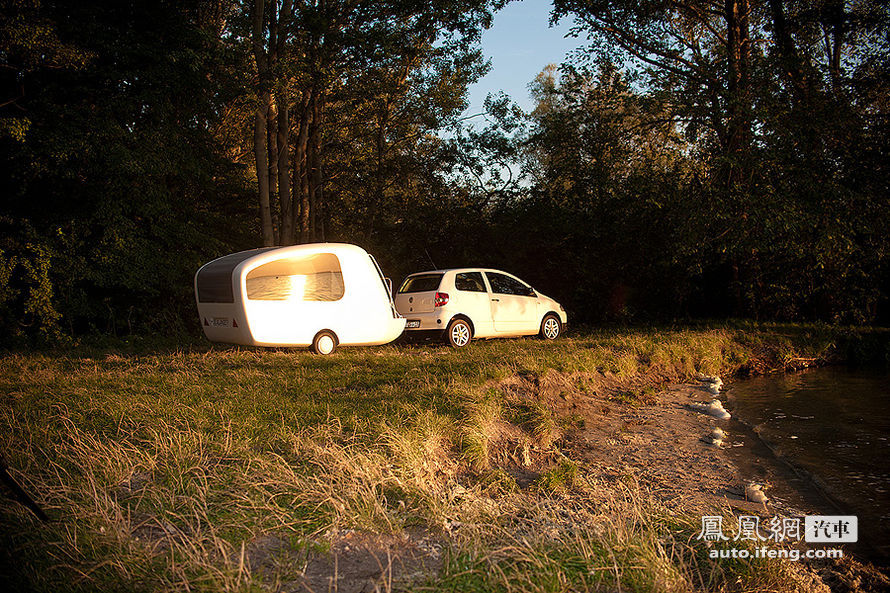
(206, 468)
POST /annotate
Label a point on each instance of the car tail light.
(441, 299)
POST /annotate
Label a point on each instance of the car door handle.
(496, 300)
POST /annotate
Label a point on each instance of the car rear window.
(421, 283)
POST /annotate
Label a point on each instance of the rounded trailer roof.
(213, 280)
(260, 256)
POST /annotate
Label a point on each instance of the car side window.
(502, 284)
(469, 282)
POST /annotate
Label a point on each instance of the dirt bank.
(653, 440)
(653, 437)
(661, 441)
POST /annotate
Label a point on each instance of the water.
(834, 423)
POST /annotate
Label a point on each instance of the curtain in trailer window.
(314, 278)
(323, 286)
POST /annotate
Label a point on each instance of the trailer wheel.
(324, 343)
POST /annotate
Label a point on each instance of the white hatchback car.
(467, 303)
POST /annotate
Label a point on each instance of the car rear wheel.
(458, 333)
(324, 343)
(551, 327)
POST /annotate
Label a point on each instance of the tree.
(612, 196)
(117, 191)
(351, 57)
(766, 93)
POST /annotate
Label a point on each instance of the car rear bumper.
(418, 322)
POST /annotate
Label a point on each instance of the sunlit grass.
(159, 466)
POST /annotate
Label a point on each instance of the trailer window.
(314, 278)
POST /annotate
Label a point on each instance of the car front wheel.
(458, 333)
(551, 327)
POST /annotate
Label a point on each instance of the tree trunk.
(317, 178)
(262, 167)
(301, 168)
(834, 20)
(260, 124)
(298, 161)
(305, 206)
(314, 168)
(284, 183)
(375, 199)
(789, 59)
(272, 139)
(737, 104)
(320, 205)
(310, 188)
(737, 149)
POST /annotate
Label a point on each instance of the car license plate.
(413, 323)
(220, 322)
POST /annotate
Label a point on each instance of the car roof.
(446, 270)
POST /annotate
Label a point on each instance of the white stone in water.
(715, 409)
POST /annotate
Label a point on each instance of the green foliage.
(15, 128)
(117, 190)
(26, 287)
(717, 181)
(654, 180)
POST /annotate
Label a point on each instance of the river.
(834, 424)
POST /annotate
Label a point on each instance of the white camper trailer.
(318, 295)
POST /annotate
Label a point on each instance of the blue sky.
(520, 44)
